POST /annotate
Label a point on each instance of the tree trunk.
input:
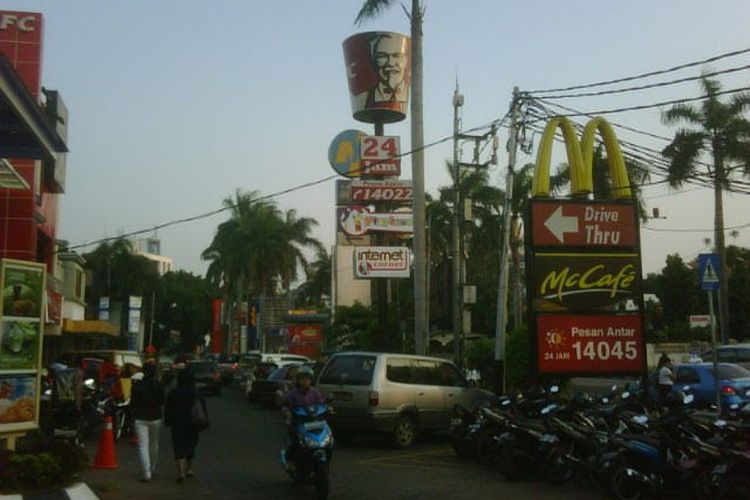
(720, 245)
(417, 165)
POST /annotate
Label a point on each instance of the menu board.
(22, 287)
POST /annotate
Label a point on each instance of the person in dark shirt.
(178, 415)
(147, 400)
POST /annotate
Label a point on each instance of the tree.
(298, 239)
(183, 304)
(317, 287)
(721, 130)
(371, 9)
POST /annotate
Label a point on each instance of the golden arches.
(581, 158)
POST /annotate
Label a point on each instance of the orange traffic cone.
(105, 457)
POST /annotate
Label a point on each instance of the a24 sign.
(380, 155)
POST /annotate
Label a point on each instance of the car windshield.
(349, 370)
(730, 372)
(277, 375)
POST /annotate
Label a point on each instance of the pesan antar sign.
(585, 293)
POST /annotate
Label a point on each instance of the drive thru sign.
(708, 269)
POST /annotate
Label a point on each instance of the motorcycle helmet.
(304, 372)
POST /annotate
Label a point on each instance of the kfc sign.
(378, 68)
(20, 21)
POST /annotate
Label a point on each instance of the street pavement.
(238, 457)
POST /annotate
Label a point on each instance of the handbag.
(199, 414)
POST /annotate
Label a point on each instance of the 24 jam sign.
(586, 344)
(380, 155)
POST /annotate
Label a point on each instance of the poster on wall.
(22, 316)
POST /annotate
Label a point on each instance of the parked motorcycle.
(307, 460)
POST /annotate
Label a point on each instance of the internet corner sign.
(382, 262)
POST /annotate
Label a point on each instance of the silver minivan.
(397, 394)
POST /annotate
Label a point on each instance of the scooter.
(308, 461)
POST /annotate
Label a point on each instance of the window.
(743, 355)
(687, 376)
(349, 370)
(399, 370)
(728, 355)
(291, 372)
(426, 372)
(729, 372)
(450, 376)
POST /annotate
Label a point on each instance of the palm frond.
(682, 153)
(682, 112)
(372, 9)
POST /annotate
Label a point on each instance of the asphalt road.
(238, 457)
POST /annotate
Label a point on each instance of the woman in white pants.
(146, 402)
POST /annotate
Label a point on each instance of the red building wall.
(22, 235)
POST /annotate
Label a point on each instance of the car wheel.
(404, 432)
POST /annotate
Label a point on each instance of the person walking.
(181, 419)
(147, 400)
(666, 377)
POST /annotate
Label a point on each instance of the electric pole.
(458, 101)
(502, 288)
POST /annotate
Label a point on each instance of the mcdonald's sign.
(584, 287)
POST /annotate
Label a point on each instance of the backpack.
(199, 414)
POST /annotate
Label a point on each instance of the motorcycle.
(308, 460)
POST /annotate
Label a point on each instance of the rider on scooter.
(304, 394)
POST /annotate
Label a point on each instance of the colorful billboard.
(21, 43)
(382, 262)
(380, 155)
(344, 153)
(22, 317)
(378, 69)
(357, 221)
(394, 191)
(574, 223)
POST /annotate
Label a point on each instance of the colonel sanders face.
(390, 61)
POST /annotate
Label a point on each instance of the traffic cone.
(105, 457)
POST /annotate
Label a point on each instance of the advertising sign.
(357, 191)
(584, 288)
(699, 320)
(344, 153)
(21, 42)
(382, 262)
(378, 69)
(300, 333)
(358, 220)
(380, 155)
(572, 223)
(589, 344)
(22, 316)
(585, 281)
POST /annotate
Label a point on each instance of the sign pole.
(713, 349)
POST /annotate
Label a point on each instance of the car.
(228, 364)
(272, 390)
(698, 379)
(283, 358)
(260, 372)
(207, 376)
(182, 359)
(395, 394)
(737, 353)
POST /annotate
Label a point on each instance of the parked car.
(282, 358)
(395, 394)
(182, 359)
(207, 376)
(734, 382)
(228, 364)
(271, 390)
(737, 353)
(260, 372)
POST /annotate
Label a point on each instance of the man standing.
(147, 402)
(666, 377)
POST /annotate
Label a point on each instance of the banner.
(358, 221)
(382, 262)
(22, 316)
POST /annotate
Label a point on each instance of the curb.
(78, 491)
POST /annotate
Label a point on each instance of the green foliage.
(118, 272)
(519, 370)
(678, 290)
(183, 303)
(356, 328)
(40, 463)
(738, 260)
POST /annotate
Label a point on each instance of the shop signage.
(358, 191)
(357, 221)
(571, 223)
(21, 21)
(378, 70)
(380, 155)
(21, 42)
(585, 298)
(589, 344)
(381, 262)
(344, 153)
(22, 315)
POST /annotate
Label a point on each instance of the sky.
(174, 105)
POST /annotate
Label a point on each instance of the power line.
(497, 122)
(674, 230)
(644, 75)
(650, 85)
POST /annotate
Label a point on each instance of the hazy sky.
(175, 104)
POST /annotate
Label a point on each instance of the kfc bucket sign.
(381, 262)
(378, 66)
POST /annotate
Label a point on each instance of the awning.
(10, 178)
(25, 131)
(89, 327)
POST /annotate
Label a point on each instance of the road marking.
(438, 457)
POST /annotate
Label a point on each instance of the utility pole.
(458, 101)
(380, 285)
(502, 288)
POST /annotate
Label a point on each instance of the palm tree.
(721, 129)
(297, 236)
(318, 283)
(371, 9)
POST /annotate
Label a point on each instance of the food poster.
(22, 303)
(18, 396)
